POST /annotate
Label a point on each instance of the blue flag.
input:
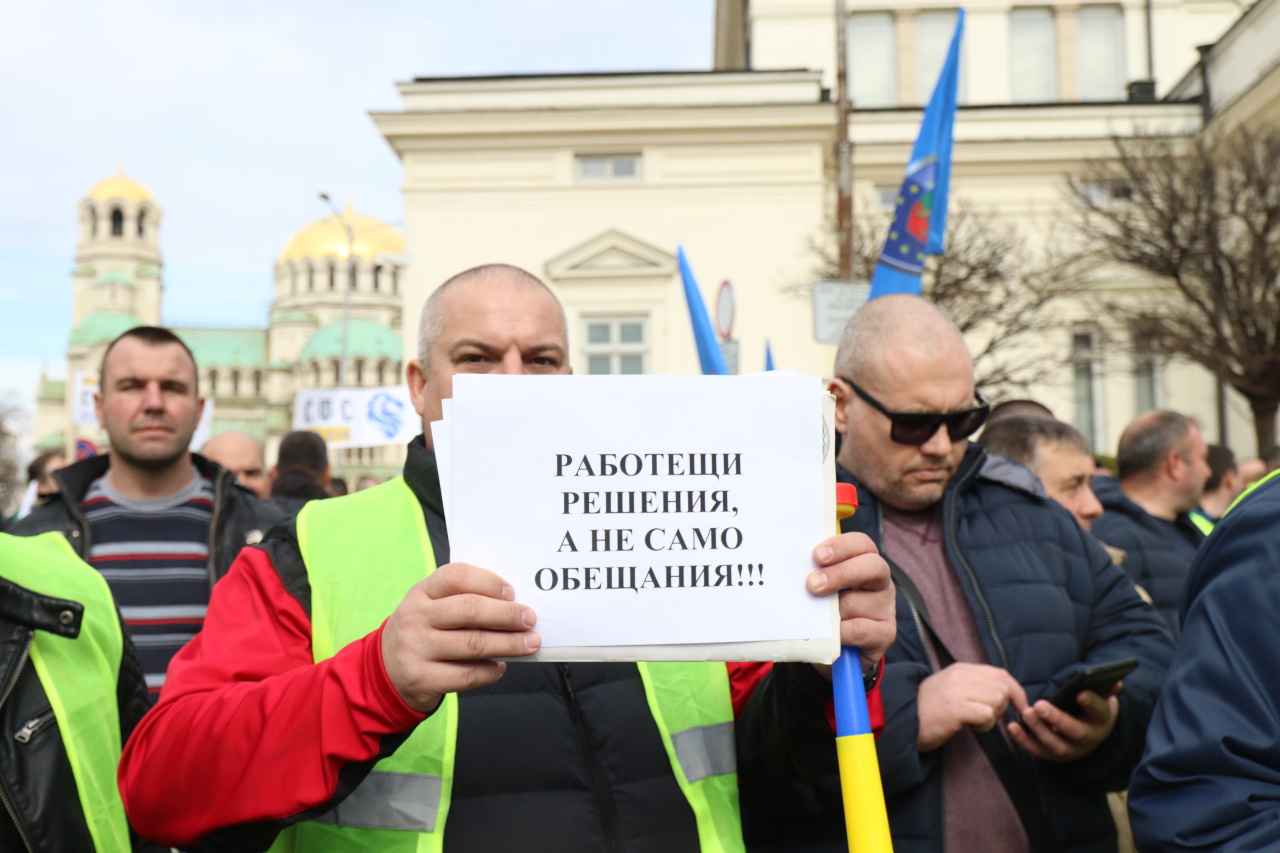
(704, 336)
(920, 219)
(768, 356)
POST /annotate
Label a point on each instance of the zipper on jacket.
(23, 735)
(4, 696)
(973, 578)
(213, 527)
(599, 786)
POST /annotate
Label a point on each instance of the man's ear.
(415, 377)
(837, 389)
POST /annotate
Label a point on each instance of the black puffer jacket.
(42, 811)
(239, 517)
(1153, 560)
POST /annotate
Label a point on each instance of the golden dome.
(328, 238)
(120, 187)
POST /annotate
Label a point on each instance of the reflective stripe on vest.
(1252, 487)
(1202, 522)
(78, 675)
(360, 565)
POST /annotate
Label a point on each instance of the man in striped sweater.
(160, 523)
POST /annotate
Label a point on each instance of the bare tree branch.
(1201, 216)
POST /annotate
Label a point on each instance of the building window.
(333, 276)
(213, 383)
(293, 279)
(1084, 376)
(1100, 62)
(1107, 193)
(360, 373)
(315, 374)
(1145, 376)
(382, 373)
(377, 277)
(616, 345)
(117, 223)
(235, 383)
(142, 225)
(1033, 56)
(93, 222)
(257, 383)
(336, 367)
(608, 167)
(933, 38)
(311, 277)
(351, 276)
(887, 197)
(395, 281)
(872, 60)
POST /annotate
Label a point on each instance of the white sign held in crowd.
(82, 410)
(357, 417)
(647, 517)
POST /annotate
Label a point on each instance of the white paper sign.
(82, 410)
(357, 417)
(204, 427)
(644, 510)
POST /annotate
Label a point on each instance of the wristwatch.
(871, 676)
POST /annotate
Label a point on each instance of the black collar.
(423, 477)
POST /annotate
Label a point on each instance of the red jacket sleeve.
(248, 729)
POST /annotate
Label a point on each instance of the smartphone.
(1100, 679)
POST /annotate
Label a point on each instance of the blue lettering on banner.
(387, 413)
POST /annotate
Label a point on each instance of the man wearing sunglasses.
(1002, 598)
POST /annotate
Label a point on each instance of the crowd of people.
(203, 652)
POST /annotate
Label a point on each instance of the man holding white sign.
(274, 717)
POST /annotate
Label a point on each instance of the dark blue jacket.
(1048, 601)
(1153, 560)
(1210, 778)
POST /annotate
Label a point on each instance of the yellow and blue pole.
(865, 819)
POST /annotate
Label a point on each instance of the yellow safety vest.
(1202, 522)
(78, 674)
(361, 561)
(1252, 486)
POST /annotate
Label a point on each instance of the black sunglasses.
(916, 428)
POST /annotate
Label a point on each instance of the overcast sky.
(236, 114)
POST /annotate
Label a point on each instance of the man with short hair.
(160, 523)
(301, 472)
(1271, 458)
(1223, 486)
(1019, 599)
(240, 454)
(1163, 470)
(1009, 408)
(1055, 452)
(337, 644)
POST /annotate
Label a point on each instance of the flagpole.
(844, 148)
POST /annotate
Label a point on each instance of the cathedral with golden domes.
(250, 375)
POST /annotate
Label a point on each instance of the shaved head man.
(982, 556)
(241, 455)
(349, 638)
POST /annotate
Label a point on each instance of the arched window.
(213, 383)
(311, 277)
(382, 372)
(257, 383)
(117, 223)
(337, 371)
(360, 373)
(293, 279)
(351, 277)
(235, 383)
(142, 225)
(333, 276)
(377, 278)
(395, 280)
(93, 222)
(315, 374)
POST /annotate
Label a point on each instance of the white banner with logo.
(357, 417)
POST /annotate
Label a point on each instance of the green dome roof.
(115, 278)
(104, 327)
(52, 441)
(365, 339)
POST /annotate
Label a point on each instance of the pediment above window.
(612, 254)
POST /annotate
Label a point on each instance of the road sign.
(834, 302)
(724, 312)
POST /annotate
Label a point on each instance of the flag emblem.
(909, 233)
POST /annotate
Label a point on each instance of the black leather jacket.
(41, 809)
(239, 517)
